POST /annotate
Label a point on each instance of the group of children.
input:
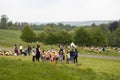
(6, 52)
(61, 55)
(54, 56)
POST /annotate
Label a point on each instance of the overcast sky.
(60, 10)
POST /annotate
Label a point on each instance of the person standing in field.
(16, 50)
(57, 57)
(76, 56)
(21, 48)
(37, 53)
(67, 55)
(33, 53)
(61, 54)
(72, 55)
(29, 49)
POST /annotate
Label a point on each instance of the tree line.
(94, 35)
(6, 24)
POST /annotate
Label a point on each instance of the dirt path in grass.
(101, 57)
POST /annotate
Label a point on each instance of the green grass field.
(10, 37)
(22, 68)
(112, 52)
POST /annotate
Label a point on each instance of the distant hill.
(86, 23)
(79, 23)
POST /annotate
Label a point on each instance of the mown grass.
(22, 68)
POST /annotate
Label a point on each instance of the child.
(33, 54)
(67, 57)
(57, 57)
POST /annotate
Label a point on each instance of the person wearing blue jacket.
(72, 55)
(76, 56)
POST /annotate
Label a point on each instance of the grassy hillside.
(10, 37)
(22, 68)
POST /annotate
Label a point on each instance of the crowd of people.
(20, 50)
(61, 55)
(68, 55)
(55, 56)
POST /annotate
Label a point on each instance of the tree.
(41, 37)
(51, 38)
(110, 39)
(64, 37)
(3, 22)
(82, 37)
(10, 24)
(28, 35)
(50, 29)
(98, 39)
(93, 24)
(59, 37)
(113, 26)
(116, 37)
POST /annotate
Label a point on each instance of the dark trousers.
(75, 59)
(28, 52)
(33, 59)
(37, 58)
(67, 60)
(20, 51)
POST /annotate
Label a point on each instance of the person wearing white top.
(33, 53)
(21, 48)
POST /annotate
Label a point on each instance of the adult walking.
(76, 56)
(61, 54)
(16, 50)
(29, 49)
(37, 53)
(72, 55)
